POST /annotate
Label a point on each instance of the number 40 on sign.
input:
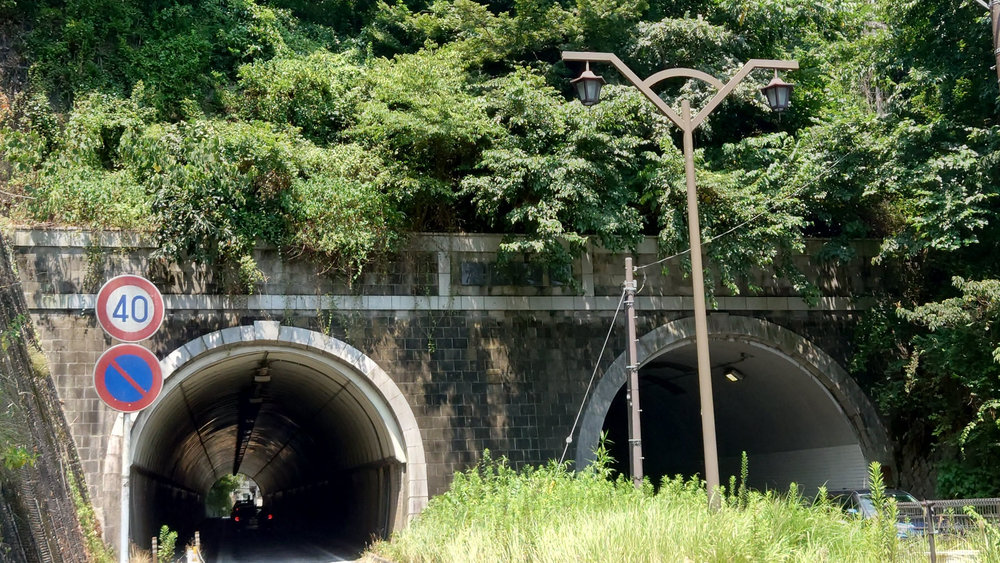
(129, 308)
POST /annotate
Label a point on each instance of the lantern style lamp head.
(588, 86)
(778, 93)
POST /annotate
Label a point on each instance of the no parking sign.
(128, 377)
(129, 308)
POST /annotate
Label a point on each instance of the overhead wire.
(590, 385)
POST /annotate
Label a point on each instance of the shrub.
(312, 92)
(166, 545)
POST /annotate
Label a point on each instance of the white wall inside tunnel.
(835, 467)
(798, 415)
(320, 375)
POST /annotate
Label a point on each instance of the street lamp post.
(777, 94)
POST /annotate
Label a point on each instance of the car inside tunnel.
(767, 405)
(324, 457)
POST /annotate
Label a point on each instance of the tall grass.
(552, 514)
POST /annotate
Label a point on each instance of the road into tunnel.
(784, 402)
(318, 427)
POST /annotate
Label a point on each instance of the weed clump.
(493, 512)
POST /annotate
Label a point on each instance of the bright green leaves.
(214, 191)
(343, 212)
(751, 212)
(979, 304)
(419, 113)
(313, 92)
(28, 130)
(920, 188)
(941, 53)
(954, 376)
(95, 128)
(180, 50)
(218, 188)
(949, 194)
(452, 115)
(606, 24)
(80, 181)
(562, 173)
(683, 42)
(477, 35)
(88, 197)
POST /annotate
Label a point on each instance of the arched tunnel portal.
(322, 431)
(798, 415)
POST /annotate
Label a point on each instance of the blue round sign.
(128, 377)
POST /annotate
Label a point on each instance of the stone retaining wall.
(487, 357)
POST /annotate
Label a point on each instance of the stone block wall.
(488, 357)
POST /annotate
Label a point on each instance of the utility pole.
(634, 430)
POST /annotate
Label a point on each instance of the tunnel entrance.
(798, 416)
(325, 436)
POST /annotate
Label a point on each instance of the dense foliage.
(333, 128)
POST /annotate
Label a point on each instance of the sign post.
(129, 308)
(128, 377)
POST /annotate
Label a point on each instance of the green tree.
(219, 501)
(562, 173)
(953, 375)
(419, 113)
(313, 92)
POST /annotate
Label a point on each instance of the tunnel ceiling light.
(263, 375)
(733, 375)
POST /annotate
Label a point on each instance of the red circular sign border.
(101, 384)
(102, 301)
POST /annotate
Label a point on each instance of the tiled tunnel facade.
(487, 357)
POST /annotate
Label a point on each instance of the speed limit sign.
(129, 308)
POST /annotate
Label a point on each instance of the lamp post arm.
(724, 91)
(630, 76)
(646, 86)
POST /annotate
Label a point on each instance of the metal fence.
(951, 516)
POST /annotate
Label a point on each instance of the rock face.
(38, 516)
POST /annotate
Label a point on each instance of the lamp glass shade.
(588, 87)
(778, 94)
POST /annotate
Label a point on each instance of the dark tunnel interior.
(319, 450)
(789, 425)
